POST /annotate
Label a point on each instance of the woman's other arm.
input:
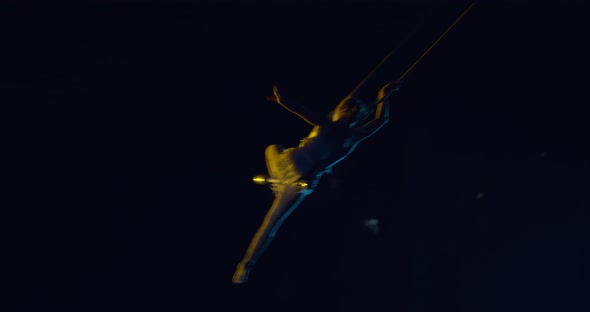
(381, 112)
(311, 117)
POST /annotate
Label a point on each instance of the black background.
(137, 127)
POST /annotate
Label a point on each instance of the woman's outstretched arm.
(381, 112)
(311, 117)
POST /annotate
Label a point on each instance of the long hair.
(350, 102)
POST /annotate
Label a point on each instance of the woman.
(297, 171)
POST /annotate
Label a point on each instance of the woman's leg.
(285, 202)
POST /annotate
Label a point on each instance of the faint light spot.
(543, 154)
(334, 183)
(372, 224)
(479, 195)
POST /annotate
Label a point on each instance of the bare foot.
(241, 274)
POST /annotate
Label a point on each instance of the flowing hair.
(363, 109)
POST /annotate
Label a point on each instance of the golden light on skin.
(314, 132)
(344, 109)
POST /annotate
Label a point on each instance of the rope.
(435, 42)
(402, 43)
(373, 105)
(394, 50)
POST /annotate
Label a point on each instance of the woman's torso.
(325, 146)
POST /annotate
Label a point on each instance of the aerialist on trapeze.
(293, 173)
